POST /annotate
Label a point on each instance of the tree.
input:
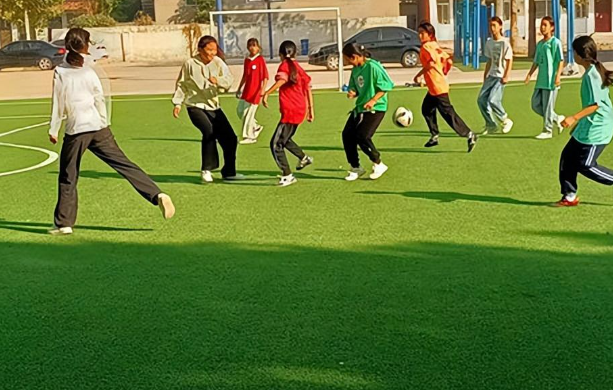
(203, 9)
(39, 11)
(500, 9)
(101, 7)
(514, 30)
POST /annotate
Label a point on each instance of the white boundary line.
(51, 156)
(24, 117)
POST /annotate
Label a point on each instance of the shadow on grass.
(168, 139)
(383, 149)
(597, 239)
(41, 228)
(446, 197)
(217, 315)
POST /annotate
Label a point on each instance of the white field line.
(51, 156)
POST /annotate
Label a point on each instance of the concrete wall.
(166, 43)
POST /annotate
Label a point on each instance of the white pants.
(246, 111)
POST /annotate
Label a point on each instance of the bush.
(143, 19)
(85, 21)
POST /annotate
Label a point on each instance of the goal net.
(317, 32)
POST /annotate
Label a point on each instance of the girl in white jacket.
(78, 97)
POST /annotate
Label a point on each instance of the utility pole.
(26, 22)
(270, 41)
(220, 32)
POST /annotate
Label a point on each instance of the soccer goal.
(319, 38)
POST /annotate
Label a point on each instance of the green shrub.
(85, 21)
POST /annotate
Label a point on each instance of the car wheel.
(332, 62)
(45, 64)
(409, 59)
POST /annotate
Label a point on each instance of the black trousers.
(443, 105)
(281, 140)
(103, 145)
(358, 131)
(215, 127)
(581, 158)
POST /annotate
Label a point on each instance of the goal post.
(336, 10)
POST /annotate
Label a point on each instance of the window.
(33, 46)
(392, 34)
(542, 8)
(368, 36)
(581, 9)
(444, 11)
(191, 3)
(14, 47)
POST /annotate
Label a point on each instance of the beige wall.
(350, 9)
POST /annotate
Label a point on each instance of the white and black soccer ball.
(403, 117)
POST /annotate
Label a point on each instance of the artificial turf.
(449, 272)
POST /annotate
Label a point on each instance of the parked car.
(31, 53)
(386, 44)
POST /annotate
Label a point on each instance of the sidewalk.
(151, 79)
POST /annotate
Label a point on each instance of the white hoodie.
(194, 88)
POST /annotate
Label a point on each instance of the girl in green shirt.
(369, 85)
(594, 125)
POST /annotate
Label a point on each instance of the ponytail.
(77, 41)
(605, 74)
(586, 48)
(288, 51)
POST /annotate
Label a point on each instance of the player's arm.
(271, 90)
(311, 106)
(240, 86)
(488, 66)
(507, 71)
(587, 111)
(180, 91)
(371, 103)
(559, 74)
(57, 109)
(533, 69)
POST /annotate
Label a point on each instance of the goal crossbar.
(339, 29)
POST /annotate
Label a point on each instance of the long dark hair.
(552, 23)
(288, 51)
(76, 40)
(205, 40)
(355, 49)
(586, 48)
(429, 28)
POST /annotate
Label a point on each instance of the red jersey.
(255, 72)
(293, 97)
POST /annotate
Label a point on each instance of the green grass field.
(450, 272)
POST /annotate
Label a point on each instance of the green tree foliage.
(39, 11)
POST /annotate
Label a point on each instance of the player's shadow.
(383, 149)
(447, 197)
(185, 179)
(42, 228)
(168, 139)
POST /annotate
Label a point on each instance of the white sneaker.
(248, 141)
(355, 173)
(207, 176)
(545, 135)
(287, 180)
(507, 125)
(378, 170)
(60, 231)
(559, 121)
(166, 206)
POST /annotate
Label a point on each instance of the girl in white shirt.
(202, 79)
(79, 99)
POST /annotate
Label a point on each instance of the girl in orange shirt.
(435, 66)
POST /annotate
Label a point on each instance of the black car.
(386, 44)
(31, 53)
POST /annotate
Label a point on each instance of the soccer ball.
(403, 117)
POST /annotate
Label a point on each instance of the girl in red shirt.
(255, 78)
(296, 104)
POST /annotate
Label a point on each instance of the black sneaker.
(306, 161)
(433, 141)
(472, 141)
